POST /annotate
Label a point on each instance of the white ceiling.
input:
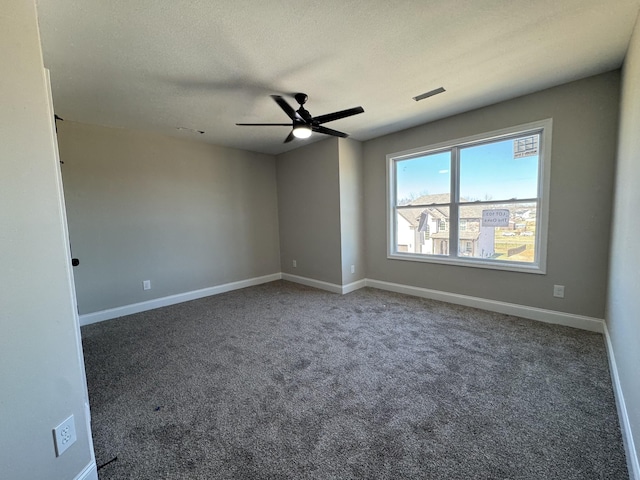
(162, 65)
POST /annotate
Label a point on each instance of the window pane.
(505, 232)
(423, 180)
(502, 170)
(423, 230)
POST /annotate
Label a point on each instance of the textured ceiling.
(178, 66)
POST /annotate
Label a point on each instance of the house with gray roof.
(425, 228)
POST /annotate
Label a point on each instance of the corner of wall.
(623, 291)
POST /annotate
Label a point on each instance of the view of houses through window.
(478, 200)
(424, 230)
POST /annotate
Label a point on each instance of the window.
(479, 201)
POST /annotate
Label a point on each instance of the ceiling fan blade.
(264, 124)
(288, 109)
(329, 131)
(289, 138)
(330, 117)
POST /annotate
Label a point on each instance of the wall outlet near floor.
(353, 269)
(64, 435)
(146, 284)
(558, 291)
(295, 264)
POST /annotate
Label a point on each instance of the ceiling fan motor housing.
(303, 123)
(301, 98)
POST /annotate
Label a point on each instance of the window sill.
(470, 262)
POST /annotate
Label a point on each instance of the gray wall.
(351, 209)
(585, 118)
(41, 364)
(185, 215)
(309, 211)
(623, 317)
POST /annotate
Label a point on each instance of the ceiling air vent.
(429, 94)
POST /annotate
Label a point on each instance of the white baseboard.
(330, 287)
(173, 299)
(633, 464)
(532, 313)
(90, 472)
(310, 282)
(352, 287)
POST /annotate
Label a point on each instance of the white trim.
(310, 282)
(352, 287)
(111, 313)
(467, 262)
(524, 311)
(173, 299)
(544, 193)
(90, 472)
(464, 141)
(625, 425)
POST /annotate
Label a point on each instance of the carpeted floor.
(282, 381)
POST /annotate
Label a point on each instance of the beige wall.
(185, 215)
(623, 308)
(351, 210)
(585, 117)
(41, 366)
(309, 211)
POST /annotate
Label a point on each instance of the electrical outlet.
(558, 291)
(353, 269)
(295, 264)
(64, 435)
(146, 284)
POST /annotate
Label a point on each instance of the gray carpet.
(282, 381)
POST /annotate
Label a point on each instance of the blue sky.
(485, 170)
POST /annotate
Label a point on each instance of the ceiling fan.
(303, 123)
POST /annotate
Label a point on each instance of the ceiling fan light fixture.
(302, 131)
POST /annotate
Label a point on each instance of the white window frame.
(544, 127)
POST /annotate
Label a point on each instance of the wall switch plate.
(146, 284)
(353, 269)
(64, 435)
(558, 291)
(295, 264)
